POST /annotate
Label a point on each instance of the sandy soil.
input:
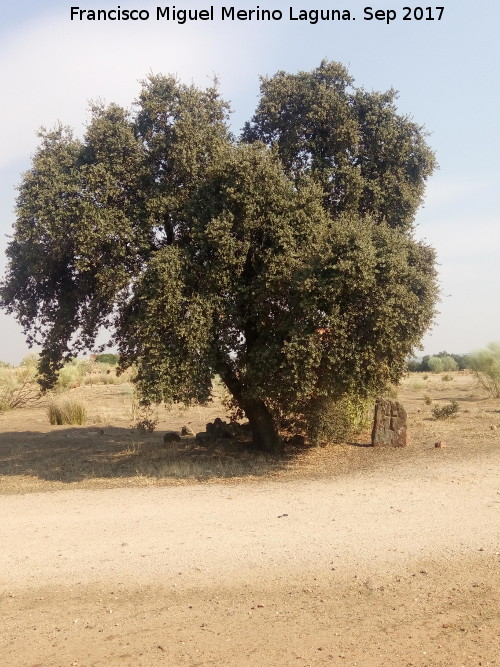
(392, 558)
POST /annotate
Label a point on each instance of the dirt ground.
(117, 550)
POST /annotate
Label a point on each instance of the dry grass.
(18, 388)
(66, 412)
(35, 456)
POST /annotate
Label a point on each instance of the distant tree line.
(107, 358)
(439, 363)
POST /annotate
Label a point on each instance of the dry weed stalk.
(18, 389)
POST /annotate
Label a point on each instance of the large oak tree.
(285, 262)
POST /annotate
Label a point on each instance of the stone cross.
(389, 424)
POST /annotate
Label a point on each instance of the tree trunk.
(264, 432)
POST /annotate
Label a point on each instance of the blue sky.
(447, 73)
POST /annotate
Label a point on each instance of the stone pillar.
(389, 424)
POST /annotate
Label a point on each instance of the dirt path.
(382, 567)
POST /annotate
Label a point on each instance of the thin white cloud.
(50, 70)
(58, 86)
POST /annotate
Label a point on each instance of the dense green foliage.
(284, 262)
(368, 160)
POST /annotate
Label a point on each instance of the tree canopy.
(283, 261)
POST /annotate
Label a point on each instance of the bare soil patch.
(108, 452)
(117, 550)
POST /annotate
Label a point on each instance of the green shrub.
(449, 362)
(446, 411)
(427, 399)
(67, 412)
(435, 364)
(486, 367)
(440, 364)
(447, 378)
(70, 375)
(336, 421)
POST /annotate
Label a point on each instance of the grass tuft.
(446, 411)
(67, 412)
